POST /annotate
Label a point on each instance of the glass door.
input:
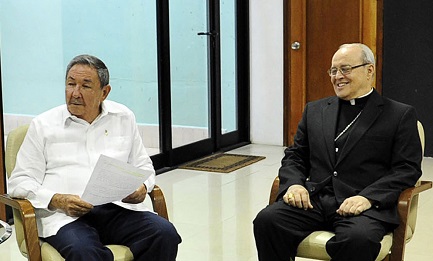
(189, 53)
(203, 77)
(229, 90)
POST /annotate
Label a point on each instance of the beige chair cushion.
(314, 246)
(121, 253)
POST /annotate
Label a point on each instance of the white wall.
(266, 71)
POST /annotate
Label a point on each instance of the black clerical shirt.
(347, 115)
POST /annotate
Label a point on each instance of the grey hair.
(94, 62)
(366, 52)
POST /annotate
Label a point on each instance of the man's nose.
(339, 74)
(76, 91)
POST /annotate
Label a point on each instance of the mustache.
(75, 101)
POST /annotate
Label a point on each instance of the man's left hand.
(137, 196)
(354, 206)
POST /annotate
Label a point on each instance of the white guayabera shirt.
(60, 151)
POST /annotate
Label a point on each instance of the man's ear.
(105, 91)
(371, 70)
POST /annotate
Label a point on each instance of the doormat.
(223, 163)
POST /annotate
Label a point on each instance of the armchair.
(392, 245)
(24, 216)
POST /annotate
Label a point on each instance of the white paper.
(113, 180)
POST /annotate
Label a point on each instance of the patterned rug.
(223, 162)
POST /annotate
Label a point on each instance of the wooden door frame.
(295, 98)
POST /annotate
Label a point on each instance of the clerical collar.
(359, 100)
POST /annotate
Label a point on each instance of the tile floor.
(214, 212)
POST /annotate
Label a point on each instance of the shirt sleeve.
(139, 157)
(29, 172)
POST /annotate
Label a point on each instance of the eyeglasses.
(345, 69)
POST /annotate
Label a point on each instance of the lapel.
(329, 120)
(372, 110)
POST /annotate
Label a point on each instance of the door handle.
(212, 33)
(296, 45)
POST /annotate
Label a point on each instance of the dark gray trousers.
(149, 236)
(279, 228)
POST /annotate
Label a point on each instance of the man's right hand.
(298, 196)
(71, 205)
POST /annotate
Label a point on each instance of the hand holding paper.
(137, 196)
(113, 180)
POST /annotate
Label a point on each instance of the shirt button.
(335, 173)
(312, 189)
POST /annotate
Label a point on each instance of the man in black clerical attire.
(352, 156)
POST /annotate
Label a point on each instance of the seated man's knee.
(167, 233)
(265, 219)
(359, 237)
(158, 243)
(356, 241)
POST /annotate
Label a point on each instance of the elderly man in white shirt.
(55, 163)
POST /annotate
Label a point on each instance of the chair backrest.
(413, 212)
(421, 136)
(13, 143)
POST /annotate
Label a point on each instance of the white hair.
(366, 52)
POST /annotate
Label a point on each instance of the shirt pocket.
(117, 147)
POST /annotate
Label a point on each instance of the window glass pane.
(228, 66)
(189, 71)
(36, 47)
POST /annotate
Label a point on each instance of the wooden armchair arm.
(404, 205)
(274, 190)
(25, 208)
(158, 202)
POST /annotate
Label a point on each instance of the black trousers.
(279, 228)
(149, 236)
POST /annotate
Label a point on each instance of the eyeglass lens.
(343, 69)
